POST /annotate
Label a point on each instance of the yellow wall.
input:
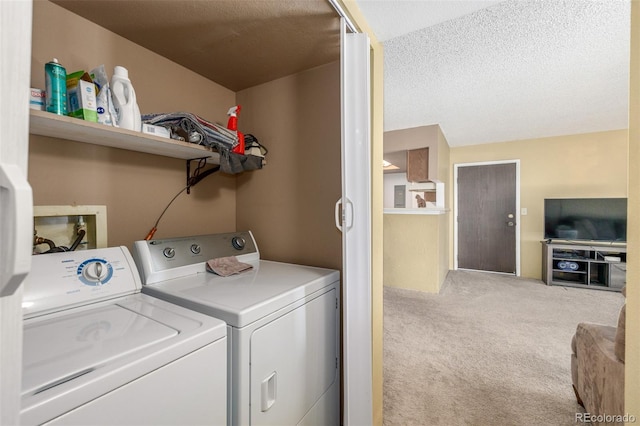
(413, 257)
(444, 175)
(444, 166)
(377, 228)
(586, 165)
(135, 187)
(632, 358)
(410, 262)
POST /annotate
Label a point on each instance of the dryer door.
(294, 362)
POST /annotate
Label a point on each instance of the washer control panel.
(95, 271)
(61, 280)
(175, 257)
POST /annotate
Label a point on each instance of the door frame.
(455, 207)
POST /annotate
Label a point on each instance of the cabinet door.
(418, 165)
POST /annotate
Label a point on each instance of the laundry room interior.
(297, 118)
(149, 259)
(122, 194)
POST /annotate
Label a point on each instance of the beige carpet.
(488, 350)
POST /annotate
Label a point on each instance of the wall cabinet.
(418, 165)
(591, 266)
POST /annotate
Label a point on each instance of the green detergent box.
(81, 96)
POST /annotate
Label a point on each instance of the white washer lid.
(58, 350)
(249, 296)
(74, 356)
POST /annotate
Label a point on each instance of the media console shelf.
(595, 266)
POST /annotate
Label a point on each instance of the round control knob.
(195, 249)
(95, 272)
(169, 252)
(238, 243)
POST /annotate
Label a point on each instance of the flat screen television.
(586, 219)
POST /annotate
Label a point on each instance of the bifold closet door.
(354, 220)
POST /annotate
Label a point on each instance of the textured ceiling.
(485, 71)
(236, 43)
(502, 71)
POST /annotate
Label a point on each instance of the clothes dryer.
(283, 324)
(97, 351)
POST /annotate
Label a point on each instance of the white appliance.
(97, 351)
(283, 324)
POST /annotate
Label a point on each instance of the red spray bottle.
(232, 124)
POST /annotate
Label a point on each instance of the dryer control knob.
(169, 252)
(195, 249)
(238, 243)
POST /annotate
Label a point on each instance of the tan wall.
(290, 205)
(377, 237)
(412, 252)
(414, 138)
(586, 165)
(632, 357)
(135, 187)
(444, 175)
(444, 166)
(418, 263)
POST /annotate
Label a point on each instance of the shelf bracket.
(198, 174)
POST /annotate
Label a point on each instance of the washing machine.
(98, 351)
(283, 324)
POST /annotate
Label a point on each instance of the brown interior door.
(487, 217)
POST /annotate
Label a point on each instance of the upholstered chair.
(597, 368)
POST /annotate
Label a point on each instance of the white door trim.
(455, 207)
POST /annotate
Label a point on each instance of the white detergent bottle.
(124, 100)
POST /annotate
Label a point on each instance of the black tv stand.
(593, 265)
